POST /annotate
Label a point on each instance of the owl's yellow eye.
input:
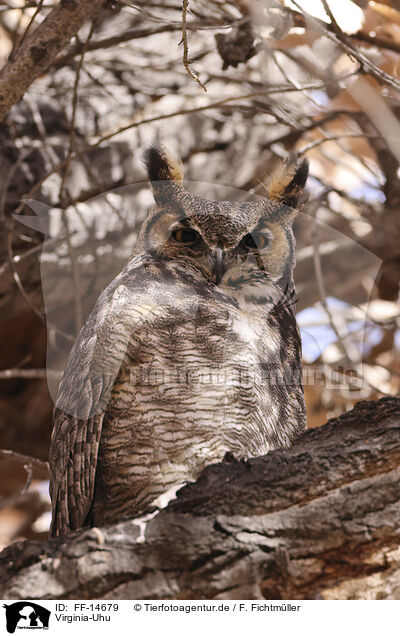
(255, 241)
(186, 236)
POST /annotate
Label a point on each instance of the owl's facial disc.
(245, 248)
(230, 262)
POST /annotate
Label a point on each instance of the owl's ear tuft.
(287, 181)
(161, 166)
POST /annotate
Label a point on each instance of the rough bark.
(318, 520)
(40, 48)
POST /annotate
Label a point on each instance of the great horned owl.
(192, 352)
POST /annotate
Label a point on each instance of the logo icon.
(26, 615)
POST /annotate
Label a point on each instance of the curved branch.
(318, 520)
(40, 47)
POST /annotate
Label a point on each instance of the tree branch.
(40, 47)
(318, 520)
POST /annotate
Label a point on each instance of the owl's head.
(244, 248)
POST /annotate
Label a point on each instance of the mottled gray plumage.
(190, 353)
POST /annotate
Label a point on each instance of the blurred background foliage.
(229, 86)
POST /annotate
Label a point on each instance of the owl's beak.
(219, 264)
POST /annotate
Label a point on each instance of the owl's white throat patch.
(253, 297)
(247, 329)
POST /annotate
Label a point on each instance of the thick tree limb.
(40, 47)
(318, 520)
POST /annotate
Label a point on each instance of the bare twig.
(324, 303)
(16, 277)
(11, 262)
(25, 33)
(25, 459)
(29, 374)
(29, 463)
(149, 120)
(336, 28)
(71, 140)
(318, 142)
(23, 154)
(33, 250)
(74, 262)
(346, 45)
(115, 40)
(184, 41)
(380, 43)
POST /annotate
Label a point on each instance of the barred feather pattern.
(173, 369)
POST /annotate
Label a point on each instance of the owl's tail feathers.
(161, 166)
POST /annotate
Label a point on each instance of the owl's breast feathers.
(139, 408)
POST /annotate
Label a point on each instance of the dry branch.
(293, 96)
(318, 520)
(40, 48)
(29, 463)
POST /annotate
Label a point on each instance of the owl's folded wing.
(84, 394)
(73, 460)
(131, 304)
